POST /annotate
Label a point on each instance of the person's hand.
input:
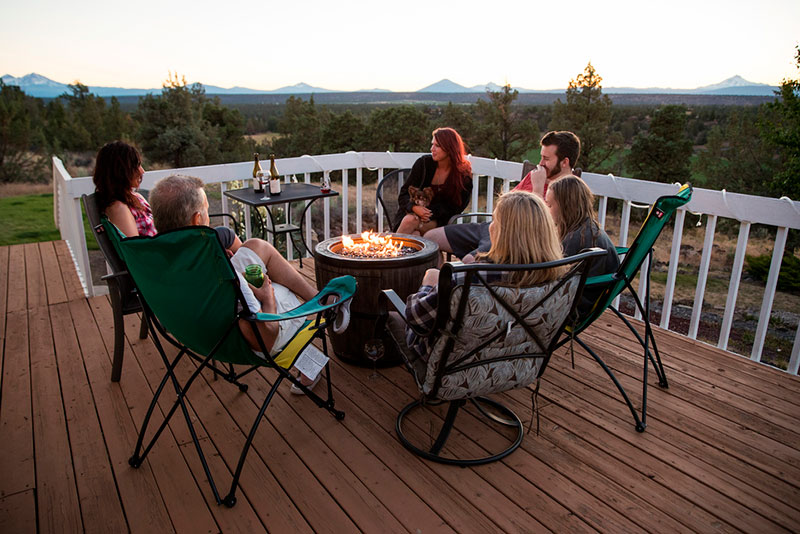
(424, 214)
(431, 277)
(229, 253)
(538, 179)
(265, 295)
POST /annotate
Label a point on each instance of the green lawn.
(29, 219)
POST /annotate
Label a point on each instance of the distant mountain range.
(735, 85)
(39, 86)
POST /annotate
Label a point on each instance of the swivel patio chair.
(121, 289)
(386, 195)
(612, 285)
(192, 300)
(488, 337)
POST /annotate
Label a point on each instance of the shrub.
(789, 278)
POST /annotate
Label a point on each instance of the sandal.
(295, 389)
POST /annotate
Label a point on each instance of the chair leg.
(444, 433)
(230, 498)
(119, 334)
(138, 454)
(638, 423)
(653, 355)
(143, 328)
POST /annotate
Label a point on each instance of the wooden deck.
(721, 451)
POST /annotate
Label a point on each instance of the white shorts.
(285, 300)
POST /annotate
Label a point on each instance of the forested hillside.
(741, 147)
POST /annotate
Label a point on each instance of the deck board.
(3, 300)
(101, 510)
(16, 446)
(720, 453)
(57, 499)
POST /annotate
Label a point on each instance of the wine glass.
(374, 351)
(264, 184)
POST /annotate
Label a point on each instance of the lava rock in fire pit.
(371, 254)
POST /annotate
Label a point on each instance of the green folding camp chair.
(192, 300)
(611, 285)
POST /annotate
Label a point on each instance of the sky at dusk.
(400, 46)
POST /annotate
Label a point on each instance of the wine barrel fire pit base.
(401, 273)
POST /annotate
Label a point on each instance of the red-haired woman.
(448, 173)
(117, 173)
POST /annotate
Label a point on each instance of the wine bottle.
(274, 180)
(258, 187)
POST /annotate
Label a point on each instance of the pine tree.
(662, 154)
(502, 130)
(587, 113)
(782, 128)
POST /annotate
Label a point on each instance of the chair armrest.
(343, 286)
(235, 221)
(622, 250)
(603, 279)
(392, 298)
(114, 275)
(389, 297)
(458, 216)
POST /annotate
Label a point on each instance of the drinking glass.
(264, 184)
(374, 351)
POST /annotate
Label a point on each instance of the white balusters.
(769, 293)
(733, 287)
(702, 276)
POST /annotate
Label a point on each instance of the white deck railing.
(783, 214)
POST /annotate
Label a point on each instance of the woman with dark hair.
(571, 204)
(449, 175)
(118, 172)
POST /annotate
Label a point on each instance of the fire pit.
(378, 261)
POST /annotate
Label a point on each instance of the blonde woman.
(571, 204)
(522, 232)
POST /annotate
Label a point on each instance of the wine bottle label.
(275, 186)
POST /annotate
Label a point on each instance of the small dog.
(420, 197)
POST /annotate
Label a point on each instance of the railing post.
(769, 293)
(326, 207)
(247, 230)
(476, 183)
(223, 186)
(359, 214)
(733, 287)
(345, 207)
(672, 271)
(378, 207)
(307, 179)
(623, 233)
(489, 194)
(702, 276)
(602, 206)
(79, 241)
(794, 361)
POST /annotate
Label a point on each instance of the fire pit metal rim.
(426, 248)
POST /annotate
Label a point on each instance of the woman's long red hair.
(460, 169)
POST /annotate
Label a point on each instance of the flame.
(372, 245)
